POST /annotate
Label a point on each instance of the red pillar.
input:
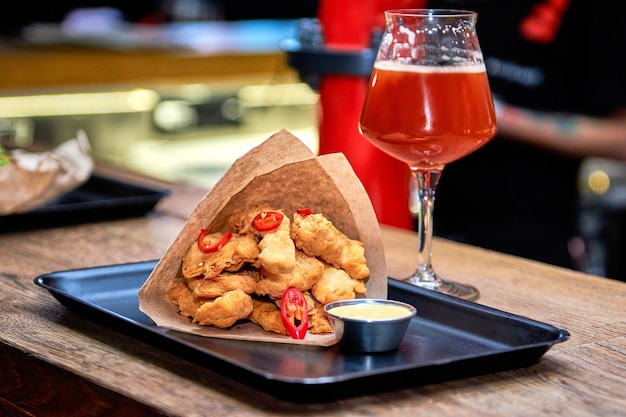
(349, 25)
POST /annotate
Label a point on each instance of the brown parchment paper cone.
(284, 173)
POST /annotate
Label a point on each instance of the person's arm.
(571, 134)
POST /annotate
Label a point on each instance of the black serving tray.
(99, 198)
(449, 339)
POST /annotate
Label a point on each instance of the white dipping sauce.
(367, 311)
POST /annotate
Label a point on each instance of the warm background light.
(599, 182)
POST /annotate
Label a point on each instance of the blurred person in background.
(557, 71)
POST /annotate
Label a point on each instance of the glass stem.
(426, 183)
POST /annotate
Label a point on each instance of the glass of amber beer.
(428, 103)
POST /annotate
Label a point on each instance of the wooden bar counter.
(55, 362)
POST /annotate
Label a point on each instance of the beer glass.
(428, 103)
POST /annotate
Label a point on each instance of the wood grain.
(54, 359)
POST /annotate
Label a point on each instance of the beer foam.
(398, 66)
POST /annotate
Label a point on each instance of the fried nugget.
(181, 295)
(226, 281)
(335, 284)
(218, 289)
(315, 235)
(277, 248)
(278, 252)
(318, 320)
(241, 222)
(226, 310)
(246, 252)
(307, 271)
(239, 250)
(267, 315)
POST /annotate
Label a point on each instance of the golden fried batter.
(226, 281)
(277, 248)
(315, 235)
(335, 284)
(181, 295)
(278, 252)
(241, 222)
(267, 315)
(246, 278)
(318, 320)
(240, 249)
(226, 310)
(307, 271)
(246, 252)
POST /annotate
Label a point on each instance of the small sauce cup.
(370, 325)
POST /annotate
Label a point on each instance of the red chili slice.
(304, 211)
(216, 246)
(295, 313)
(267, 220)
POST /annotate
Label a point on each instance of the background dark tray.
(450, 338)
(100, 198)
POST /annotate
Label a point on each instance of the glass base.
(455, 289)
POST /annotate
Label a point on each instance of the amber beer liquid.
(428, 116)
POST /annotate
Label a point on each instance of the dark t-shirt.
(551, 55)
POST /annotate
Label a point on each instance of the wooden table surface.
(56, 362)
